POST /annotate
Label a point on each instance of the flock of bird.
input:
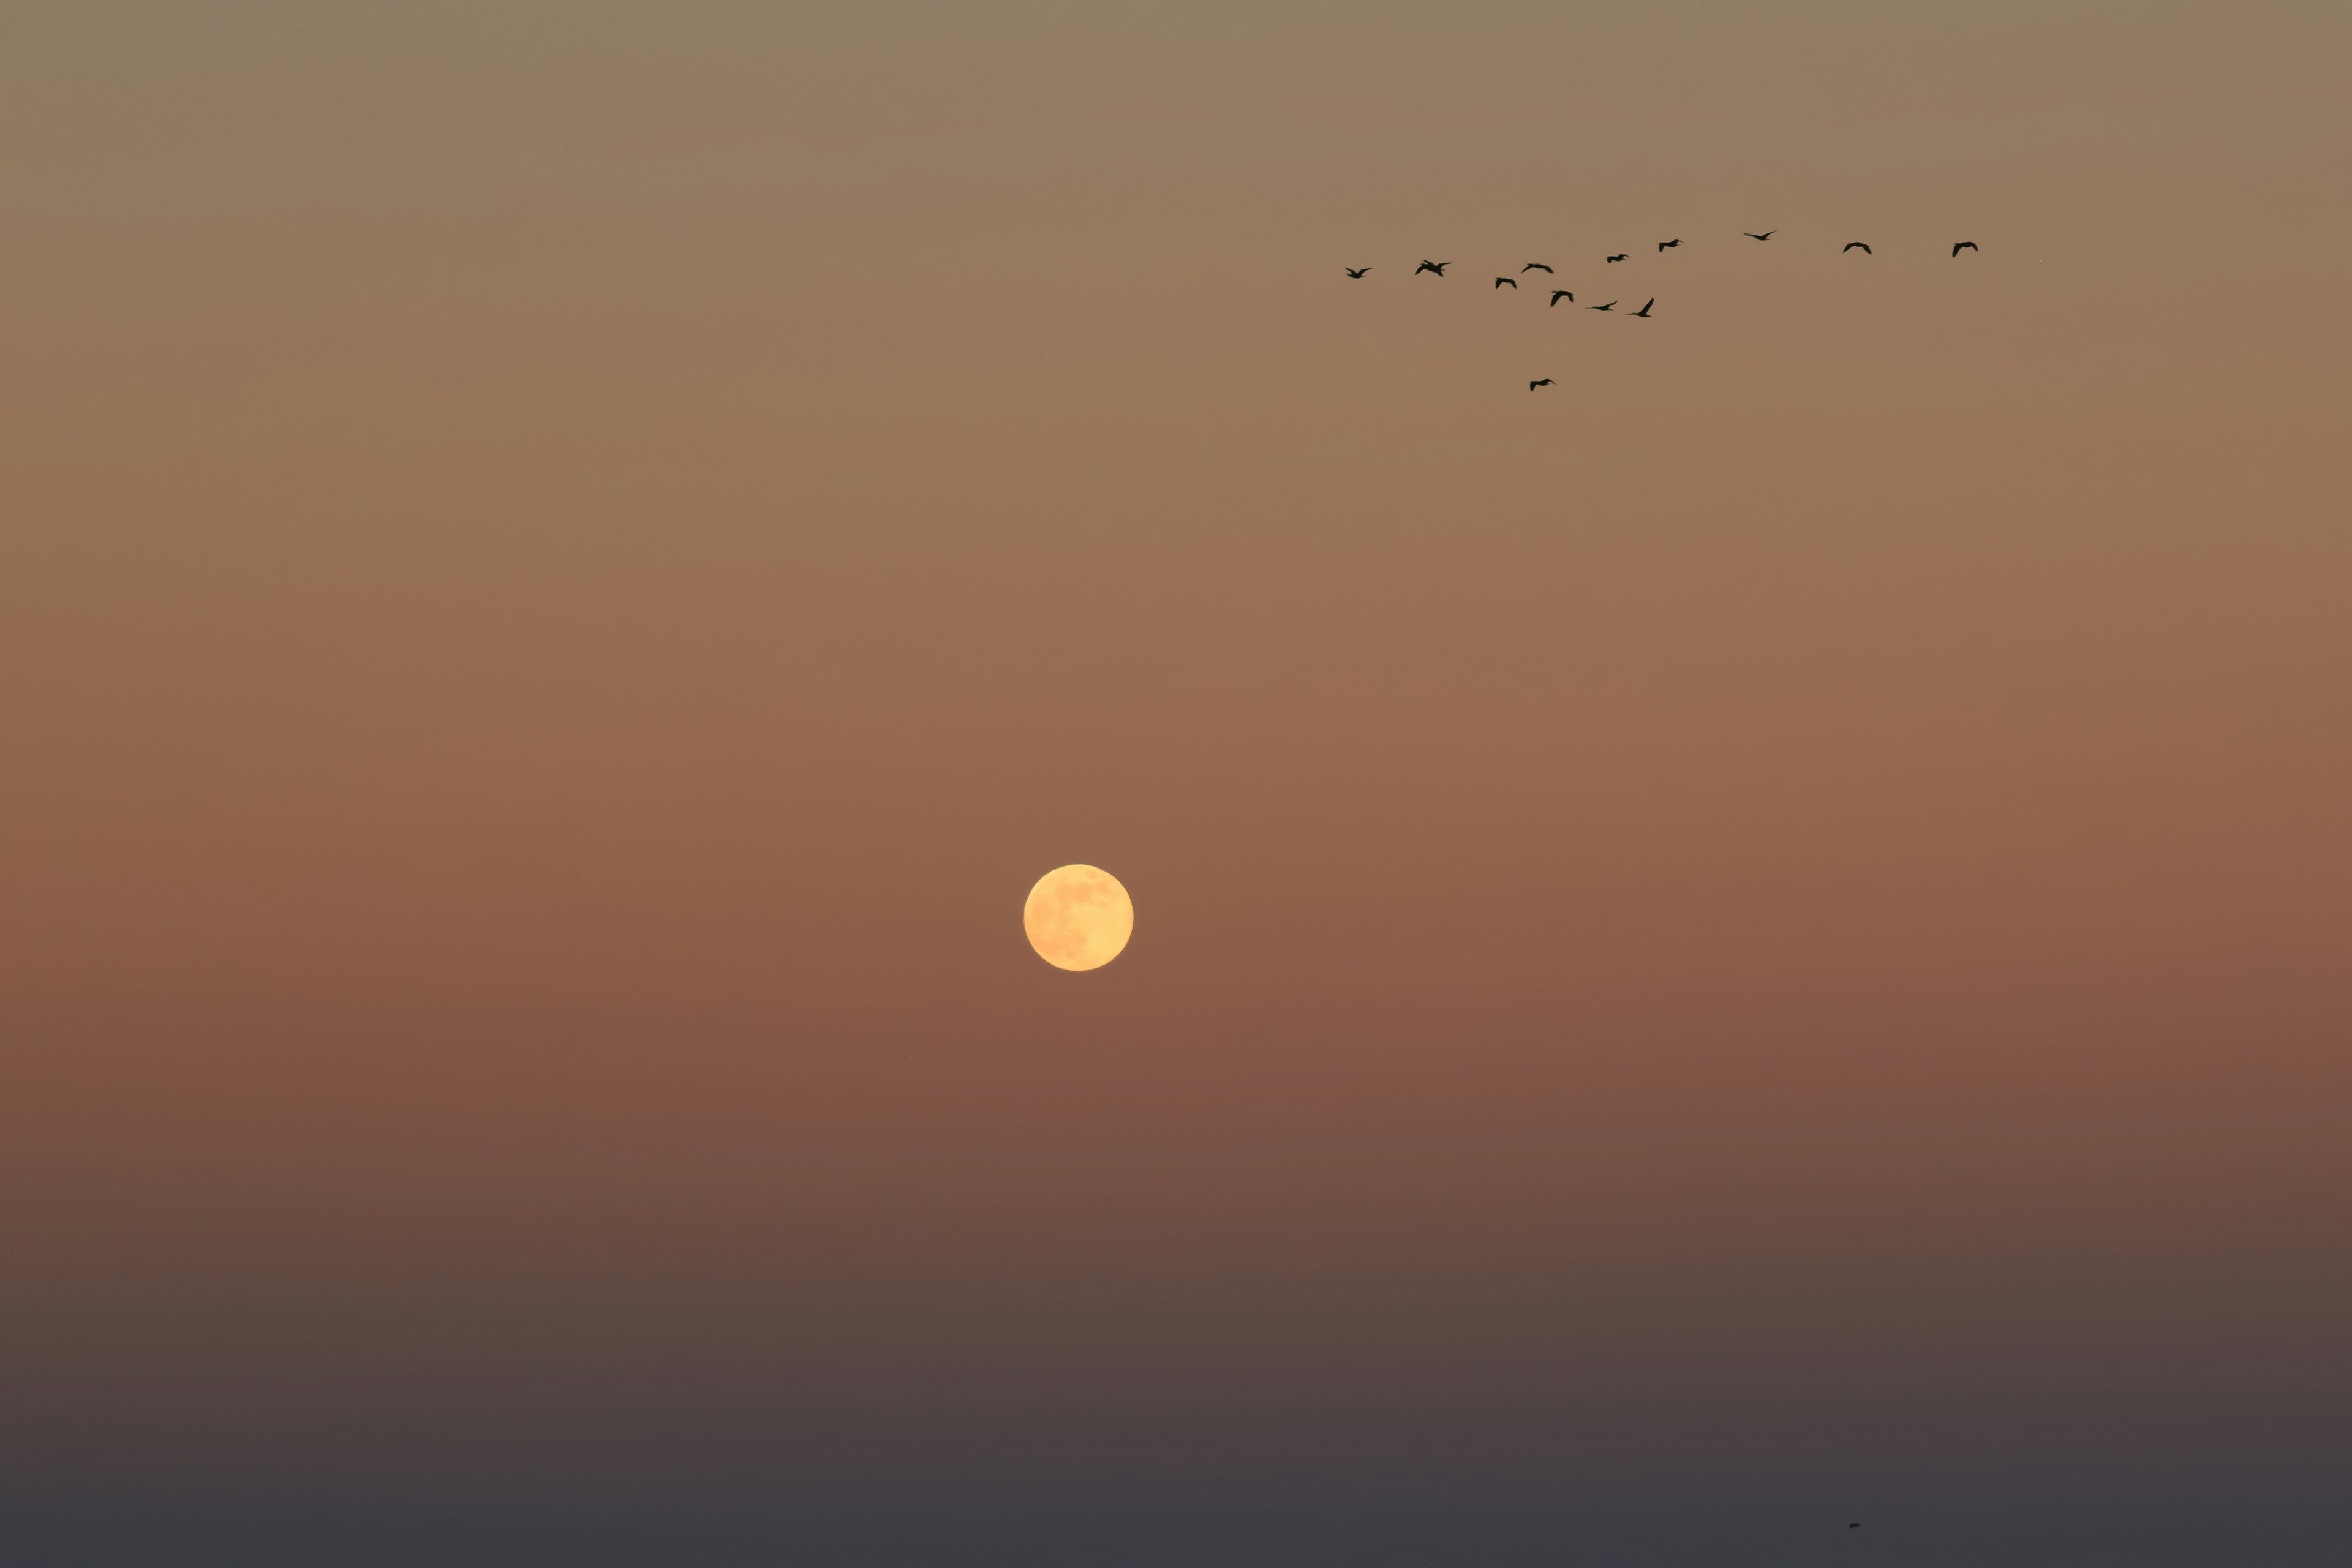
(1437, 269)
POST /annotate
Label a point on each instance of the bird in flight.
(1611, 306)
(1855, 244)
(1535, 267)
(1533, 384)
(1668, 244)
(1512, 281)
(1559, 294)
(1355, 272)
(1645, 310)
(1765, 235)
(1856, 1525)
(1437, 267)
(1619, 256)
(1966, 245)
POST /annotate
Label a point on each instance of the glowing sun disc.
(1078, 917)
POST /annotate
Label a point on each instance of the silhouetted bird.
(1856, 1525)
(1533, 384)
(1855, 244)
(1966, 245)
(1644, 310)
(1355, 272)
(1512, 281)
(1535, 267)
(1611, 306)
(1437, 267)
(1559, 294)
(1619, 256)
(1765, 235)
(1668, 244)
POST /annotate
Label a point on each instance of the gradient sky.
(1761, 937)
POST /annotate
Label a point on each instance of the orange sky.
(1778, 911)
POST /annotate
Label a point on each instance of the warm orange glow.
(1078, 917)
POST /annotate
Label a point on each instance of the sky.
(1755, 940)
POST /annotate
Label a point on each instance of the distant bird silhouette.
(1668, 244)
(1533, 384)
(1559, 294)
(1856, 1525)
(1437, 267)
(1535, 267)
(1619, 256)
(1644, 310)
(1355, 272)
(1855, 244)
(1611, 306)
(1966, 245)
(1512, 281)
(1765, 235)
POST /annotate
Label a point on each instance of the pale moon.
(1078, 917)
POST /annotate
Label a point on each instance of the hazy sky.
(1761, 937)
